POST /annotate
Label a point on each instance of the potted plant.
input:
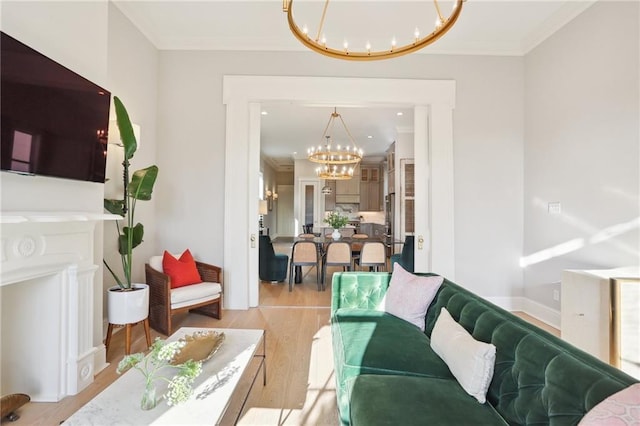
(129, 302)
(336, 221)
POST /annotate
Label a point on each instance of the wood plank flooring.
(300, 386)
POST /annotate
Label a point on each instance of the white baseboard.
(530, 307)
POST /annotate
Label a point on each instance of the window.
(21, 152)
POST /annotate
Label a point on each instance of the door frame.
(433, 102)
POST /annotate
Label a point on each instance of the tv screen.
(54, 122)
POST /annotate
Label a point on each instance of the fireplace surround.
(49, 299)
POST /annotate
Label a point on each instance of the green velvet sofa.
(386, 372)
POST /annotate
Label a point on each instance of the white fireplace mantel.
(47, 274)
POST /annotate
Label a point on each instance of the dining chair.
(304, 253)
(374, 255)
(338, 253)
(356, 245)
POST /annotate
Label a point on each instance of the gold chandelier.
(335, 172)
(319, 43)
(332, 154)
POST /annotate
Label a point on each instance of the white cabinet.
(588, 315)
(584, 312)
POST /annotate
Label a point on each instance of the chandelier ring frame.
(371, 55)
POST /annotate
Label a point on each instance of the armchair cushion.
(195, 293)
(182, 271)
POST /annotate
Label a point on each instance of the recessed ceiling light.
(295, 152)
(369, 137)
(399, 113)
(264, 113)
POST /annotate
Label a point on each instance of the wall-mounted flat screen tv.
(54, 122)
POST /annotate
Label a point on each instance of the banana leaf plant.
(139, 188)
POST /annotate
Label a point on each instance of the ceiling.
(502, 27)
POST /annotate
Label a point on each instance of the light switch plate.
(555, 207)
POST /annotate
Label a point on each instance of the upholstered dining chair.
(374, 255)
(271, 265)
(356, 245)
(203, 298)
(338, 253)
(304, 253)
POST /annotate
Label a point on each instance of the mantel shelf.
(8, 217)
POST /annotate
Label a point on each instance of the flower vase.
(149, 399)
(336, 234)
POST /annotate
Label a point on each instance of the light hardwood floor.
(300, 386)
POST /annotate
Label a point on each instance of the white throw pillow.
(470, 361)
(409, 295)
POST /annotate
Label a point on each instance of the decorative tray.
(199, 346)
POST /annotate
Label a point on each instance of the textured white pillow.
(409, 296)
(470, 361)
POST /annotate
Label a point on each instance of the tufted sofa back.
(538, 378)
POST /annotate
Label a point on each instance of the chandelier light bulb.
(416, 33)
(438, 23)
(393, 43)
(368, 47)
(305, 30)
(323, 40)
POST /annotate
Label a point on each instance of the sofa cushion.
(409, 295)
(470, 361)
(366, 341)
(402, 400)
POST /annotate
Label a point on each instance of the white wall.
(582, 148)
(487, 147)
(96, 41)
(75, 35)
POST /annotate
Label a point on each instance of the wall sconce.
(271, 197)
(262, 210)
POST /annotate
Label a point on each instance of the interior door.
(310, 205)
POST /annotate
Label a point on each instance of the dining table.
(323, 240)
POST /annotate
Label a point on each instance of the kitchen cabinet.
(370, 194)
(372, 229)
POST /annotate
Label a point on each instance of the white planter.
(336, 234)
(127, 307)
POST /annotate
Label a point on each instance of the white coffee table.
(119, 403)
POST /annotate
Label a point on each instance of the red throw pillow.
(182, 271)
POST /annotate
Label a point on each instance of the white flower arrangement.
(159, 359)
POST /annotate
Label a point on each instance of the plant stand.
(127, 342)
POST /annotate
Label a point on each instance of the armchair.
(272, 266)
(204, 298)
